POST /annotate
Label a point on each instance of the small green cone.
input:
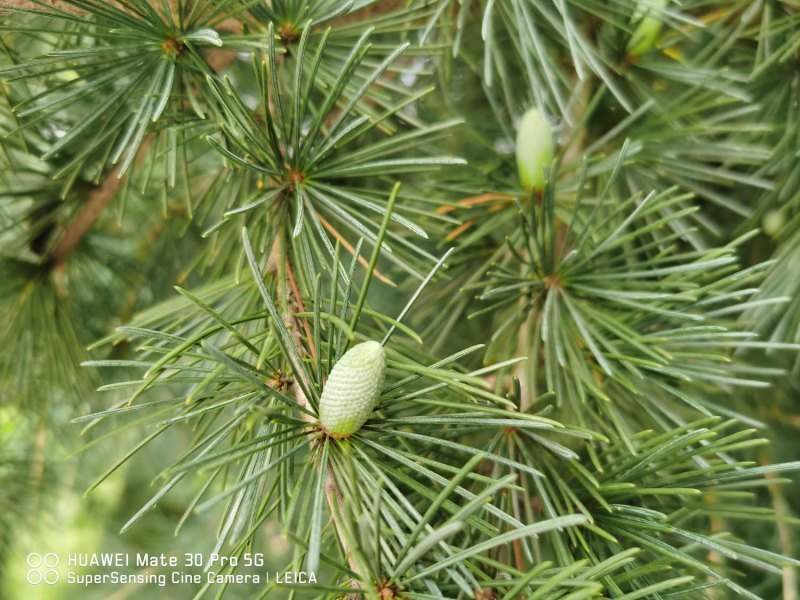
(535, 149)
(645, 35)
(772, 223)
(352, 390)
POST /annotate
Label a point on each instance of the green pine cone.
(534, 149)
(646, 34)
(772, 223)
(352, 390)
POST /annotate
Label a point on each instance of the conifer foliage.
(470, 299)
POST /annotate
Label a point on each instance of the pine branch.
(279, 264)
(561, 409)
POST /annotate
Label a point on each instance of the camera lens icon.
(41, 568)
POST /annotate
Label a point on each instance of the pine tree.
(470, 299)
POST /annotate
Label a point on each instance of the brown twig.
(66, 6)
(301, 308)
(276, 265)
(98, 200)
(27, 5)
